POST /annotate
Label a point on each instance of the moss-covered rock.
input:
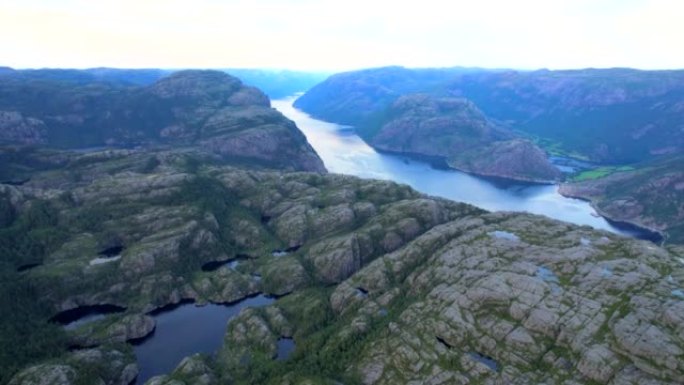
(376, 283)
(106, 366)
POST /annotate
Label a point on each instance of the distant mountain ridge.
(401, 110)
(121, 76)
(275, 83)
(208, 110)
(358, 97)
(605, 115)
(611, 117)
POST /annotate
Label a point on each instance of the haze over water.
(344, 152)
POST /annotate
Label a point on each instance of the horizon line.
(331, 71)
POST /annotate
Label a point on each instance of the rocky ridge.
(612, 116)
(651, 196)
(206, 110)
(111, 367)
(456, 130)
(385, 286)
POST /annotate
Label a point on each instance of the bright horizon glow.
(332, 35)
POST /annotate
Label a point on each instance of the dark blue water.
(345, 152)
(74, 318)
(486, 360)
(184, 331)
(232, 264)
(285, 347)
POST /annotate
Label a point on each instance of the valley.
(243, 251)
(344, 152)
(513, 124)
(341, 192)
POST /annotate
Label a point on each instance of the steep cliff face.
(204, 109)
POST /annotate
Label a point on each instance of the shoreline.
(644, 232)
(632, 229)
(620, 223)
(441, 163)
(438, 162)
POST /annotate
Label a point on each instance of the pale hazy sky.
(344, 34)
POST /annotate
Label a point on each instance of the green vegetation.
(553, 147)
(207, 111)
(650, 193)
(600, 172)
(25, 334)
(380, 274)
(215, 212)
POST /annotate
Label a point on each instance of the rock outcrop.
(122, 329)
(513, 159)
(106, 366)
(615, 116)
(375, 282)
(192, 370)
(207, 110)
(650, 196)
(454, 129)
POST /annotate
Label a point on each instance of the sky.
(332, 35)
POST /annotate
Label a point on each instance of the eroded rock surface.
(92, 366)
(379, 284)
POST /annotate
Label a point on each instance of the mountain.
(207, 110)
(650, 195)
(359, 98)
(382, 285)
(456, 130)
(611, 116)
(274, 83)
(608, 116)
(119, 76)
(406, 111)
(374, 282)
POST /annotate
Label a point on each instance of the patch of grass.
(600, 173)
(554, 148)
(617, 310)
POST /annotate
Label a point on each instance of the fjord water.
(345, 152)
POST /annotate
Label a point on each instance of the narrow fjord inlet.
(344, 152)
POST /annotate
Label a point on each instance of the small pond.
(486, 360)
(185, 330)
(285, 347)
